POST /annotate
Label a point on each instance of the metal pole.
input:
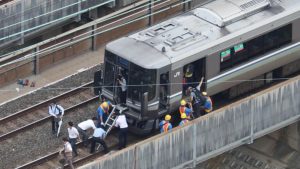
(94, 42)
(252, 122)
(194, 145)
(150, 22)
(36, 61)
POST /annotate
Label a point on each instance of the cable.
(157, 84)
(62, 44)
(112, 17)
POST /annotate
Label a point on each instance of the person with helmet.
(102, 112)
(184, 119)
(165, 125)
(207, 105)
(184, 109)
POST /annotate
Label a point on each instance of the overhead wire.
(147, 85)
(72, 41)
(104, 20)
(53, 21)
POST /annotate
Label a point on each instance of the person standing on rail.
(165, 125)
(184, 120)
(103, 112)
(123, 128)
(67, 153)
(184, 109)
(84, 126)
(73, 137)
(123, 92)
(98, 137)
(57, 112)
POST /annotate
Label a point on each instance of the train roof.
(196, 30)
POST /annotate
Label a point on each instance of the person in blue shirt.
(98, 137)
(184, 109)
(165, 125)
(184, 119)
(103, 112)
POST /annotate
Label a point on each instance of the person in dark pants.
(122, 124)
(84, 126)
(57, 112)
(98, 137)
(73, 136)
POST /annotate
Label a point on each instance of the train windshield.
(138, 79)
(141, 80)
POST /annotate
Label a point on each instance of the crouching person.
(98, 137)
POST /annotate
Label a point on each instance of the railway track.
(52, 160)
(38, 114)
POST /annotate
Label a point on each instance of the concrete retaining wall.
(211, 135)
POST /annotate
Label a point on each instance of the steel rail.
(42, 120)
(34, 107)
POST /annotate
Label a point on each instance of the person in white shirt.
(57, 113)
(122, 124)
(85, 125)
(98, 137)
(122, 83)
(73, 136)
(67, 152)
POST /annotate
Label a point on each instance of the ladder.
(110, 121)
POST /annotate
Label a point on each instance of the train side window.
(243, 52)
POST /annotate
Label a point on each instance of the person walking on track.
(67, 153)
(57, 112)
(84, 126)
(123, 126)
(73, 137)
(98, 137)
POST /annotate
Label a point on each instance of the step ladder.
(111, 119)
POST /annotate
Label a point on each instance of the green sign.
(225, 55)
(238, 47)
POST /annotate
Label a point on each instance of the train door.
(163, 90)
(193, 72)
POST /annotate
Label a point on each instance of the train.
(236, 46)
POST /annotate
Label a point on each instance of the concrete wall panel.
(221, 130)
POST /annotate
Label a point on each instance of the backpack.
(198, 97)
(59, 110)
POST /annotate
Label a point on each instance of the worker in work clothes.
(67, 153)
(103, 112)
(123, 128)
(207, 105)
(98, 137)
(122, 83)
(184, 119)
(196, 99)
(73, 137)
(84, 126)
(57, 112)
(165, 125)
(184, 109)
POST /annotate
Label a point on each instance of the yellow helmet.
(105, 105)
(182, 103)
(167, 117)
(204, 93)
(183, 116)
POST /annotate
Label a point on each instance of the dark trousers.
(73, 144)
(197, 111)
(122, 138)
(54, 124)
(84, 136)
(123, 97)
(98, 140)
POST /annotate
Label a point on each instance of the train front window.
(140, 81)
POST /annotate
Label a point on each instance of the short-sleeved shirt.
(99, 133)
(87, 124)
(67, 147)
(183, 109)
(121, 121)
(73, 132)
